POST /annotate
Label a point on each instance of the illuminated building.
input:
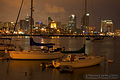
(22, 25)
(83, 27)
(72, 23)
(7, 25)
(106, 26)
(83, 20)
(12, 26)
(1, 24)
(53, 25)
(28, 23)
(39, 25)
(49, 21)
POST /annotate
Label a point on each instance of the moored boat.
(35, 54)
(6, 45)
(78, 61)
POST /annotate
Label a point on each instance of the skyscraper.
(83, 27)
(49, 21)
(27, 23)
(72, 23)
(22, 25)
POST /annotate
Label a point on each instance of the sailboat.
(38, 53)
(77, 61)
(5, 45)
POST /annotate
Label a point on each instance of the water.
(31, 70)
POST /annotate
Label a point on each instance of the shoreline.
(60, 35)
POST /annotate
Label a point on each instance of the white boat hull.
(25, 54)
(79, 63)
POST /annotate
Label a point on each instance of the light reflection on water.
(15, 69)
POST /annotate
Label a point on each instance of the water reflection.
(33, 69)
(15, 69)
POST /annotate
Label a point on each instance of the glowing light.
(12, 22)
(95, 32)
(40, 22)
(27, 20)
(73, 16)
(42, 29)
(85, 32)
(87, 14)
(58, 30)
(20, 32)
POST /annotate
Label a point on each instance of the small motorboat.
(66, 68)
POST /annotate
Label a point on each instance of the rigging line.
(18, 14)
(17, 17)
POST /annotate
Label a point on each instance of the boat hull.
(79, 63)
(34, 55)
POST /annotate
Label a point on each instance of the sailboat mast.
(85, 19)
(85, 11)
(31, 22)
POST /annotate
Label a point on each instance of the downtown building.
(106, 26)
(25, 24)
(83, 27)
(72, 23)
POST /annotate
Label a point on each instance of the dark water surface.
(31, 70)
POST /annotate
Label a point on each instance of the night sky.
(60, 10)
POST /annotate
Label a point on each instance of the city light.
(87, 14)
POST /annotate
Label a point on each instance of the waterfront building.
(72, 23)
(83, 27)
(58, 24)
(38, 25)
(27, 24)
(12, 26)
(49, 21)
(22, 25)
(106, 26)
(53, 25)
(1, 25)
(7, 26)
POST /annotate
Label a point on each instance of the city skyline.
(61, 10)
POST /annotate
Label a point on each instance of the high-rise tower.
(72, 23)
